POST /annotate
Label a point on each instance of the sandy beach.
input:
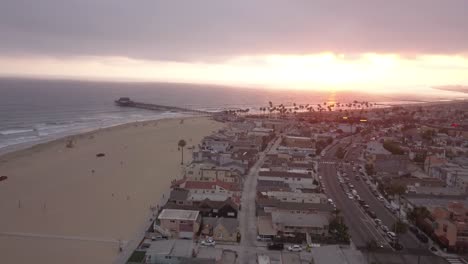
(65, 205)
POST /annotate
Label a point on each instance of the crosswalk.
(455, 261)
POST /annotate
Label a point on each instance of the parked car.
(391, 235)
(350, 197)
(384, 228)
(275, 246)
(208, 242)
(372, 214)
(264, 239)
(295, 248)
(396, 246)
(423, 238)
(378, 221)
(380, 198)
(414, 230)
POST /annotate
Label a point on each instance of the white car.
(351, 197)
(295, 248)
(330, 200)
(380, 198)
(208, 242)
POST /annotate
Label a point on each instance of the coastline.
(62, 198)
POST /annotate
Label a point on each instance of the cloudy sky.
(329, 44)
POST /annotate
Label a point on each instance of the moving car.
(275, 246)
(295, 248)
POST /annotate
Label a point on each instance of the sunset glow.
(324, 71)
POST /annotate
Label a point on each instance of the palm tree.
(181, 145)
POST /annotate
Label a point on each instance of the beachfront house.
(181, 223)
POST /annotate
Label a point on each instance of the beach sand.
(65, 205)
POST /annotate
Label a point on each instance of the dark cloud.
(204, 30)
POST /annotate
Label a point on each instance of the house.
(205, 172)
(181, 223)
(212, 190)
(216, 143)
(296, 197)
(226, 209)
(175, 251)
(286, 177)
(266, 205)
(451, 226)
(207, 208)
(220, 228)
(287, 223)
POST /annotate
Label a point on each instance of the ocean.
(33, 111)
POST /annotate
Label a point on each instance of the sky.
(373, 45)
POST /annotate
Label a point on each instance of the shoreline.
(68, 135)
(68, 198)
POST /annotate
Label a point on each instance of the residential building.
(181, 223)
(286, 223)
(220, 228)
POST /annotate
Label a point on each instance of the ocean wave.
(16, 131)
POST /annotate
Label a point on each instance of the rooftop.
(283, 174)
(177, 214)
(299, 220)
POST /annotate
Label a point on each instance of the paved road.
(412, 247)
(361, 227)
(247, 217)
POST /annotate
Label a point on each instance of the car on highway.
(295, 248)
(275, 246)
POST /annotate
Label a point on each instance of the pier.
(126, 102)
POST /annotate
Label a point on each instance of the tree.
(393, 147)
(418, 214)
(340, 153)
(181, 145)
